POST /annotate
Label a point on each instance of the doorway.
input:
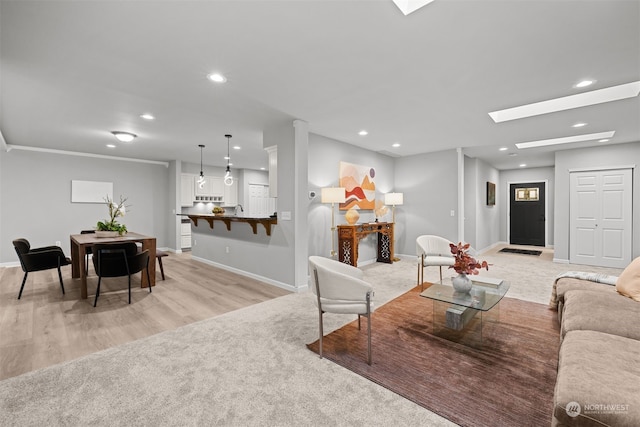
(527, 213)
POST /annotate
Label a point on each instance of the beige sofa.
(598, 381)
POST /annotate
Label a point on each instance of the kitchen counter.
(228, 219)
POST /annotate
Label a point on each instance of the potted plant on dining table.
(111, 227)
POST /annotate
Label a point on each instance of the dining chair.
(432, 251)
(339, 288)
(119, 259)
(39, 259)
(159, 255)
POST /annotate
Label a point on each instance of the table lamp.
(394, 199)
(333, 195)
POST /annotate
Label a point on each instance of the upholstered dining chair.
(119, 259)
(39, 259)
(339, 288)
(432, 251)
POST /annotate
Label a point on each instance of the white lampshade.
(393, 199)
(333, 195)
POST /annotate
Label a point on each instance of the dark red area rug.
(508, 381)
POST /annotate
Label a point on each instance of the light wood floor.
(44, 327)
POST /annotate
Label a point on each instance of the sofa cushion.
(628, 283)
(600, 373)
(566, 284)
(600, 311)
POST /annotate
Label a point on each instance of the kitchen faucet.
(241, 208)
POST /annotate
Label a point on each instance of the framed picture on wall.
(491, 193)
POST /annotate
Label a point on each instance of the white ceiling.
(73, 71)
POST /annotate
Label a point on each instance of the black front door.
(527, 204)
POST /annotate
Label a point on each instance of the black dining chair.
(39, 259)
(87, 251)
(119, 259)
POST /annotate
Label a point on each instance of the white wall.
(36, 198)
(325, 154)
(614, 155)
(430, 186)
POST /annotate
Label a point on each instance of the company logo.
(573, 409)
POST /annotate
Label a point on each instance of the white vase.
(461, 283)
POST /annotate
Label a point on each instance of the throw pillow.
(628, 283)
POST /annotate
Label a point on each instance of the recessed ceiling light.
(124, 136)
(604, 140)
(584, 83)
(503, 148)
(217, 78)
(614, 93)
(263, 169)
(522, 165)
(111, 146)
(363, 133)
(147, 116)
(566, 139)
(578, 125)
(236, 147)
(395, 145)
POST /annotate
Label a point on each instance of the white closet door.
(260, 204)
(600, 212)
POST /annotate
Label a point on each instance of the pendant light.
(201, 180)
(228, 179)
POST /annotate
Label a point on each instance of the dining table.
(80, 242)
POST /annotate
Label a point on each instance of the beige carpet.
(246, 368)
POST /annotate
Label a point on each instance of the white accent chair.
(432, 251)
(339, 288)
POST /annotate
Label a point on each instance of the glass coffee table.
(461, 317)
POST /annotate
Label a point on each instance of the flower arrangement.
(217, 210)
(465, 263)
(115, 211)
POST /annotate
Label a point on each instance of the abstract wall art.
(359, 183)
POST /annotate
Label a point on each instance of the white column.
(460, 194)
(301, 226)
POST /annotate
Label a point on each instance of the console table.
(349, 236)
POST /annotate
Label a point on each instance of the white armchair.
(339, 288)
(433, 251)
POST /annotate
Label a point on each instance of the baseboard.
(10, 264)
(561, 261)
(279, 284)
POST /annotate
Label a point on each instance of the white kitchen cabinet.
(212, 190)
(187, 195)
(217, 186)
(231, 194)
(185, 235)
(273, 170)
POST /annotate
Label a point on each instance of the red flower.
(464, 262)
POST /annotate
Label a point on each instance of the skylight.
(408, 6)
(614, 93)
(566, 140)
